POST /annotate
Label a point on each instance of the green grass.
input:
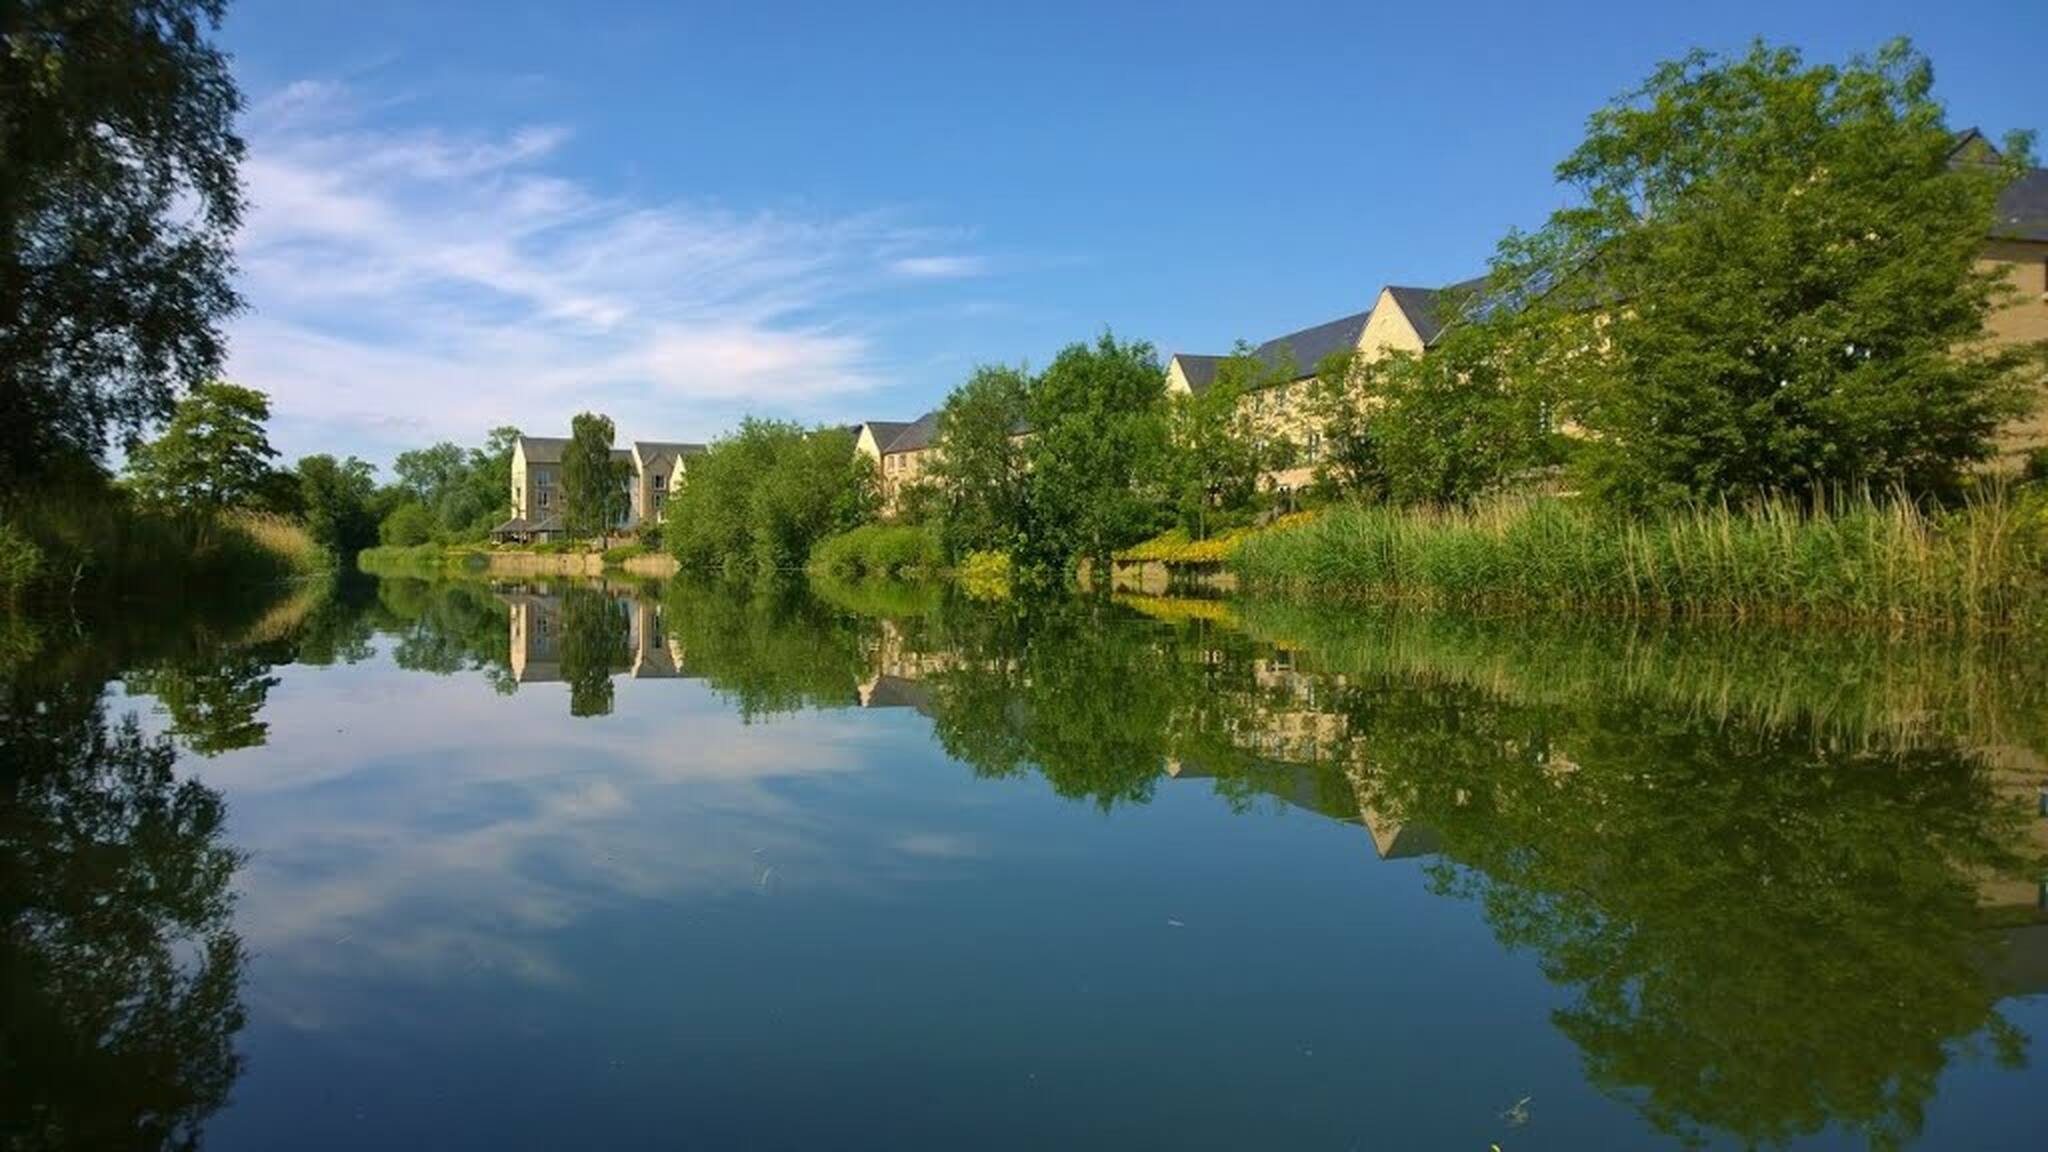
(886, 551)
(1983, 566)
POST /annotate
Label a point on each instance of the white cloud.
(938, 267)
(408, 284)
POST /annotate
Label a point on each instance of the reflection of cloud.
(419, 844)
(938, 846)
(393, 273)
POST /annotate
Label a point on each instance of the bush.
(986, 575)
(888, 551)
(623, 553)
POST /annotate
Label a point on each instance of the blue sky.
(475, 213)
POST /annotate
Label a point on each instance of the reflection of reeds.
(1855, 686)
(1975, 568)
(284, 617)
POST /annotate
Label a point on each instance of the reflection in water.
(121, 969)
(1783, 883)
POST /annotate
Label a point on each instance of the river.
(549, 865)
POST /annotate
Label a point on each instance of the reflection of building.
(650, 653)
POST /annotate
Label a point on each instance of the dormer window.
(660, 482)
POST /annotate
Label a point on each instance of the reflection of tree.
(768, 647)
(119, 964)
(213, 701)
(593, 644)
(447, 626)
(1769, 934)
(1073, 689)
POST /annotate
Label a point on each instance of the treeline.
(1717, 321)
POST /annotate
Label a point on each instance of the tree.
(117, 933)
(593, 484)
(213, 455)
(119, 199)
(760, 498)
(1097, 429)
(337, 497)
(1218, 450)
(980, 484)
(1768, 283)
(593, 645)
(408, 525)
(1435, 429)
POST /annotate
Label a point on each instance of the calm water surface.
(466, 865)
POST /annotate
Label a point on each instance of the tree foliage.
(979, 483)
(337, 496)
(213, 455)
(1098, 433)
(594, 495)
(1216, 449)
(759, 499)
(1769, 282)
(119, 198)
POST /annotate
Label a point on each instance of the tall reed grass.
(99, 544)
(1983, 566)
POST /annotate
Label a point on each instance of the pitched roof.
(543, 449)
(649, 449)
(1429, 310)
(1200, 370)
(1299, 352)
(2022, 212)
(885, 431)
(2023, 208)
(916, 435)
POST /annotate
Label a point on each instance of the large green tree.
(1098, 423)
(1768, 281)
(760, 498)
(593, 484)
(214, 454)
(983, 489)
(119, 198)
(337, 495)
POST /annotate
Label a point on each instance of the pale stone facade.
(654, 470)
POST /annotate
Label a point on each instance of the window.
(660, 482)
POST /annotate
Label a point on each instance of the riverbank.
(435, 559)
(99, 545)
(1982, 567)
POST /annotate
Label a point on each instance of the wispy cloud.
(408, 283)
(938, 267)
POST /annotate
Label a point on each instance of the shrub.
(986, 575)
(889, 551)
(623, 553)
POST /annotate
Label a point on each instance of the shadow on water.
(1785, 880)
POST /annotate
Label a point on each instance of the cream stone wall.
(900, 470)
(1388, 330)
(2023, 318)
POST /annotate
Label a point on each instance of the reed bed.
(1981, 566)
